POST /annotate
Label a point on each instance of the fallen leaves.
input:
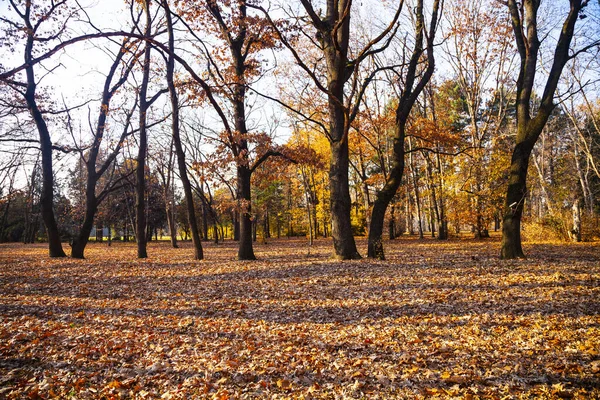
(291, 326)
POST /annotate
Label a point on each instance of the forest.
(419, 181)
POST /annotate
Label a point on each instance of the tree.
(414, 83)
(35, 22)
(524, 19)
(234, 63)
(175, 129)
(95, 168)
(333, 46)
(144, 106)
(479, 51)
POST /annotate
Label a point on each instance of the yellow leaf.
(283, 384)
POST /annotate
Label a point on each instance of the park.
(299, 199)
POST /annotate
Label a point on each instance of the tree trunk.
(266, 225)
(171, 223)
(343, 240)
(82, 238)
(385, 195)
(515, 199)
(576, 212)
(405, 104)
(524, 22)
(245, 250)
(140, 185)
(235, 217)
(47, 196)
(392, 224)
(185, 181)
(205, 220)
(415, 181)
(310, 223)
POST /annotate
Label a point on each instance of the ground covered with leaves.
(447, 320)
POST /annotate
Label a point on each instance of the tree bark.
(47, 196)
(529, 128)
(343, 240)
(82, 238)
(185, 181)
(245, 249)
(515, 199)
(410, 93)
(385, 195)
(140, 185)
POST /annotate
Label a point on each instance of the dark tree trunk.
(99, 233)
(386, 194)
(405, 104)
(392, 224)
(82, 238)
(266, 225)
(216, 233)
(442, 220)
(140, 185)
(529, 128)
(187, 187)
(47, 196)
(245, 249)
(171, 223)
(343, 240)
(205, 220)
(141, 233)
(236, 225)
(515, 201)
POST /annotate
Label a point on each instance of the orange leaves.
(441, 325)
(433, 131)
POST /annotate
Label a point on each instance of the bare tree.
(415, 80)
(333, 45)
(524, 18)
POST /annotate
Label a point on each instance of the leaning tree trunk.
(82, 238)
(185, 181)
(410, 93)
(47, 196)
(385, 195)
(529, 128)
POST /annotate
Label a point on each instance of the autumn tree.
(176, 136)
(530, 123)
(233, 64)
(479, 51)
(165, 169)
(145, 102)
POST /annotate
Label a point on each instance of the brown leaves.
(431, 321)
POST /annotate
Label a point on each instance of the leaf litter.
(435, 320)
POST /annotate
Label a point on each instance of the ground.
(437, 319)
